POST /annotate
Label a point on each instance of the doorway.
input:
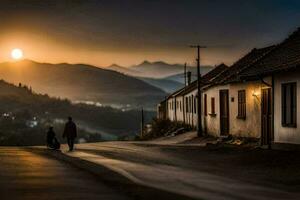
(224, 112)
(266, 117)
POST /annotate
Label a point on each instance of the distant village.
(256, 97)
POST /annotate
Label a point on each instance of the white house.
(181, 106)
(280, 111)
(231, 105)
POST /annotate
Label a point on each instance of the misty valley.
(106, 103)
(26, 115)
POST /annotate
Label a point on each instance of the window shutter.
(241, 104)
(205, 104)
(289, 104)
(212, 105)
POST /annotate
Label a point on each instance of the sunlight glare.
(17, 54)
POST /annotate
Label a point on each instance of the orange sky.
(106, 32)
(43, 48)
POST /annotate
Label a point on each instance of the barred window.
(241, 104)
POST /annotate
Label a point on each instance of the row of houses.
(257, 97)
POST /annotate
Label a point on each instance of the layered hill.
(81, 82)
(124, 70)
(25, 117)
(167, 85)
(180, 77)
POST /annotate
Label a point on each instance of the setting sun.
(17, 54)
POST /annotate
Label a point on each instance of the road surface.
(25, 175)
(200, 172)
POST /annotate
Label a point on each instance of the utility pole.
(142, 123)
(183, 98)
(199, 123)
(184, 74)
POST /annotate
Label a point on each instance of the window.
(190, 104)
(186, 105)
(213, 111)
(241, 104)
(205, 104)
(180, 106)
(195, 105)
(289, 104)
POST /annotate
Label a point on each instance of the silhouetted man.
(70, 133)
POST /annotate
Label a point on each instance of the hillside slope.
(25, 117)
(81, 83)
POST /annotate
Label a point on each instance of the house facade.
(287, 107)
(182, 104)
(233, 109)
(257, 97)
(232, 105)
(281, 102)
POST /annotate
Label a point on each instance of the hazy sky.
(126, 32)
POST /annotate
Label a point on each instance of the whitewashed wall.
(285, 134)
(212, 122)
(170, 110)
(249, 127)
(191, 116)
(180, 109)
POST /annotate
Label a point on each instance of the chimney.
(189, 77)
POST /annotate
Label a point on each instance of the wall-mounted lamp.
(256, 94)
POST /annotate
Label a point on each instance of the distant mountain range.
(179, 78)
(124, 70)
(167, 85)
(81, 82)
(168, 77)
(156, 69)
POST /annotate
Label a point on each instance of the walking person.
(70, 133)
